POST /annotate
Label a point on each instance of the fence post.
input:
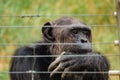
(118, 22)
(118, 16)
(118, 19)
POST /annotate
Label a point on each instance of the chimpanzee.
(64, 53)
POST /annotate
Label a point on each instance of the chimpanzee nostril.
(83, 41)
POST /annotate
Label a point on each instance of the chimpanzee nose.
(84, 40)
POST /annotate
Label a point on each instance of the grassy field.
(50, 10)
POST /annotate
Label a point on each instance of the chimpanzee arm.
(21, 64)
(90, 62)
(26, 64)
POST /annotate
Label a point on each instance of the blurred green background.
(103, 36)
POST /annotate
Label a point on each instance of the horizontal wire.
(18, 44)
(54, 15)
(106, 25)
(111, 72)
(37, 72)
(48, 56)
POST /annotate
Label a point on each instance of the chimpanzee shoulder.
(35, 49)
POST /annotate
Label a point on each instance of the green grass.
(4, 77)
(51, 7)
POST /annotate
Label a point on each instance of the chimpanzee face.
(75, 35)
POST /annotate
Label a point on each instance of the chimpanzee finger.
(54, 64)
(66, 56)
(68, 71)
(56, 71)
(59, 59)
(60, 68)
(65, 73)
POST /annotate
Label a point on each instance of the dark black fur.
(73, 31)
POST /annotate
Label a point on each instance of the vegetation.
(50, 10)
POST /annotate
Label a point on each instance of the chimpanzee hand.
(67, 62)
(61, 65)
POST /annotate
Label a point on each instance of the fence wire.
(59, 26)
(48, 56)
(56, 15)
(19, 44)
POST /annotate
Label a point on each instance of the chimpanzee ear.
(47, 31)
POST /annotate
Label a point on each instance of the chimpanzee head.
(74, 34)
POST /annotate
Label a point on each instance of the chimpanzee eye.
(86, 32)
(75, 31)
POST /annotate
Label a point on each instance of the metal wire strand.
(39, 56)
(32, 44)
(55, 15)
(37, 72)
(59, 26)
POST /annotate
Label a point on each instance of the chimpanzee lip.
(79, 51)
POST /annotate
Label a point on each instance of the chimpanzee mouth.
(76, 49)
(81, 51)
(81, 48)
